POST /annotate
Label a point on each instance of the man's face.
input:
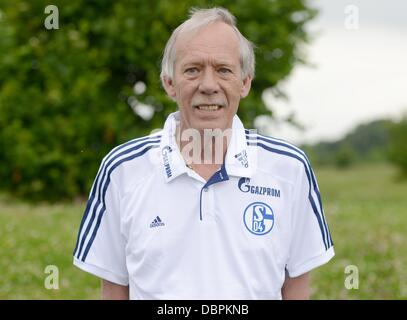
(207, 83)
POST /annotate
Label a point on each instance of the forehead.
(217, 40)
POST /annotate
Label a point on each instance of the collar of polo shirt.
(240, 159)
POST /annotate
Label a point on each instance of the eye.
(224, 70)
(191, 71)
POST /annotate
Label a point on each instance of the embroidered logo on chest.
(258, 218)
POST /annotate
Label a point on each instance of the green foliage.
(368, 142)
(66, 95)
(344, 157)
(398, 146)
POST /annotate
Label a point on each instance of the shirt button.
(206, 189)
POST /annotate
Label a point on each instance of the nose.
(209, 84)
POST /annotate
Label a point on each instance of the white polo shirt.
(156, 225)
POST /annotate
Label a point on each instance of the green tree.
(69, 95)
(398, 146)
(344, 157)
(368, 142)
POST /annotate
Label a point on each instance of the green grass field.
(366, 208)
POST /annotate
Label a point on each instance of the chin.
(210, 124)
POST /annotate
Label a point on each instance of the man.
(239, 219)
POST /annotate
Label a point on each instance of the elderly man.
(240, 219)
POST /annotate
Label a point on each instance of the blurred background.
(80, 77)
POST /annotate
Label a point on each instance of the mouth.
(208, 107)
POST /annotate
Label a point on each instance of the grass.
(366, 208)
(34, 237)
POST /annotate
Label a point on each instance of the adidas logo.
(157, 223)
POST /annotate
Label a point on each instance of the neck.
(203, 147)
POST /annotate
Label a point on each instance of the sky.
(358, 73)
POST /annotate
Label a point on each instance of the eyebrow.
(221, 63)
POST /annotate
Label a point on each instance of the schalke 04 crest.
(258, 218)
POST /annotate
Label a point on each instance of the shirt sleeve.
(311, 243)
(100, 248)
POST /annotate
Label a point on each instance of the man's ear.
(247, 84)
(169, 87)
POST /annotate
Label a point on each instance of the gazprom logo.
(245, 186)
(166, 160)
(258, 218)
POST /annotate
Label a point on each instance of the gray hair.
(199, 18)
